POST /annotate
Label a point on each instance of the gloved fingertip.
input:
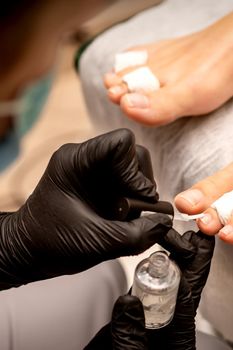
(200, 240)
(145, 163)
(128, 304)
(178, 245)
(209, 238)
(128, 324)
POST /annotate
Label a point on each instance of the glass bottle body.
(156, 283)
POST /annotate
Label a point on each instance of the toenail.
(206, 219)
(137, 101)
(226, 230)
(192, 196)
(116, 90)
(110, 76)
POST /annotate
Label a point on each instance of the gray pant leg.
(208, 342)
(171, 18)
(62, 313)
(185, 151)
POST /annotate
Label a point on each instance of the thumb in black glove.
(127, 328)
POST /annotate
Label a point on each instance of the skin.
(195, 72)
(19, 66)
(199, 198)
(196, 76)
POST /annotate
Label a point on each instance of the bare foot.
(199, 198)
(195, 72)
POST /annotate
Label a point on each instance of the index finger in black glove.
(197, 270)
(197, 250)
(128, 324)
(182, 250)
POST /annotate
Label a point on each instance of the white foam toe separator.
(130, 59)
(224, 207)
(141, 79)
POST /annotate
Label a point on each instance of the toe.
(204, 193)
(116, 92)
(157, 108)
(210, 223)
(111, 79)
(192, 201)
(134, 103)
(226, 233)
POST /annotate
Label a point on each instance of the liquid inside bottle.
(156, 284)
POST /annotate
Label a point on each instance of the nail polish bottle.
(156, 283)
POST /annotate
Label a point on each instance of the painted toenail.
(137, 101)
(193, 197)
(207, 218)
(116, 90)
(226, 230)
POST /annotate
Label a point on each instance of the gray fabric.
(185, 151)
(62, 313)
(208, 342)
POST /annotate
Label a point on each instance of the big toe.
(155, 108)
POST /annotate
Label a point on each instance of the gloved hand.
(65, 226)
(127, 328)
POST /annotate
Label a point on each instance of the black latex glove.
(65, 226)
(127, 328)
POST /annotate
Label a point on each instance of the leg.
(208, 342)
(61, 313)
(99, 57)
(183, 152)
(194, 72)
(170, 19)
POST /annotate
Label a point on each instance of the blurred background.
(64, 117)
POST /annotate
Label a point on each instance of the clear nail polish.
(136, 100)
(156, 283)
(206, 219)
(116, 90)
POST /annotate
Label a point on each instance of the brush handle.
(128, 208)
